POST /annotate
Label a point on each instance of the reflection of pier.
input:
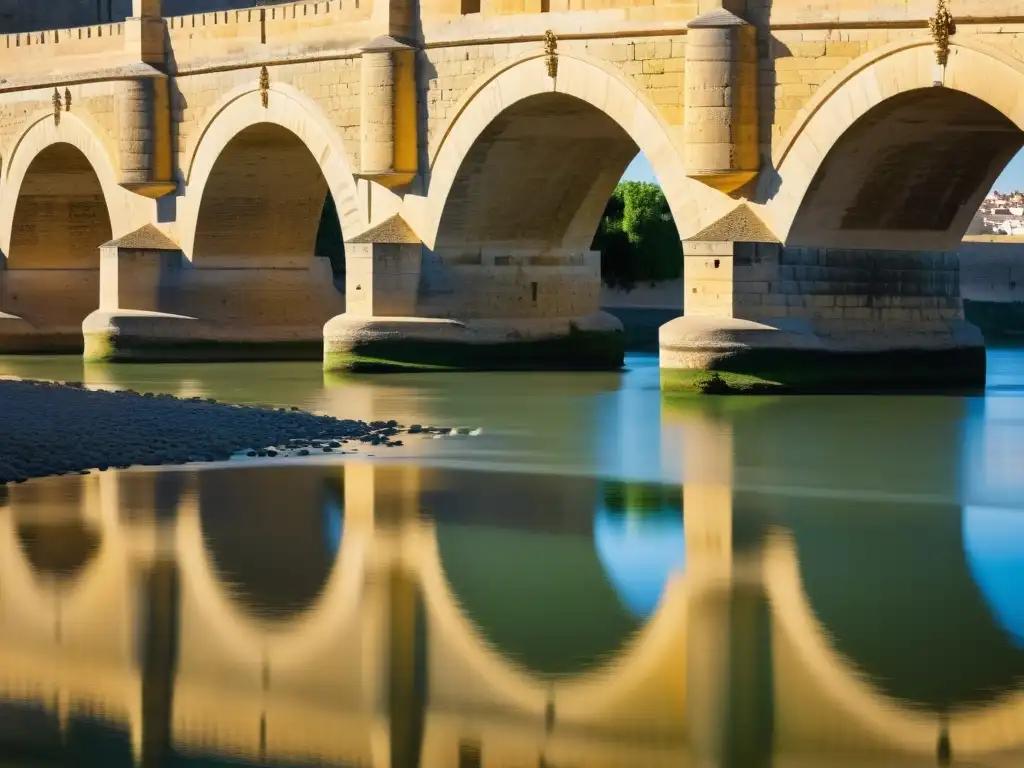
(386, 638)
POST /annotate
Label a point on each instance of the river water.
(601, 578)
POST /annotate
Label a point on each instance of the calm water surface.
(601, 579)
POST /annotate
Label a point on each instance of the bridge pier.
(762, 317)
(477, 308)
(155, 306)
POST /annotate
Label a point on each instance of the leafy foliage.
(637, 237)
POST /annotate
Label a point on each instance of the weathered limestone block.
(41, 310)
(383, 271)
(389, 133)
(140, 271)
(721, 121)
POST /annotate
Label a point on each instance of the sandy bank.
(48, 429)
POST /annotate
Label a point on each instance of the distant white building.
(1012, 227)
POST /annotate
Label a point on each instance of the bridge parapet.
(56, 52)
(269, 33)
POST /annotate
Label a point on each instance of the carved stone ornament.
(56, 107)
(551, 53)
(264, 87)
(942, 27)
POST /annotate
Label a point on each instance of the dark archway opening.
(911, 173)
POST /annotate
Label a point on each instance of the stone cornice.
(109, 74)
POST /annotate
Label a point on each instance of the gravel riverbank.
(50, 429)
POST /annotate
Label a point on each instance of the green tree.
(637, 237)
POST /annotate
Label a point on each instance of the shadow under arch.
(881, 155)
(548, 131)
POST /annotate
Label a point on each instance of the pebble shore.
(52, 429)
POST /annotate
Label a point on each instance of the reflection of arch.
(33, 585)
(882, 720)
(994, 545)
(853, 113)
(239, 549)
(579, 695)
(247, 636)
(288, 109)
(59, 552)
(641, 553)
(897, 600)
(42, 134)
(541, 600)
(588, 82)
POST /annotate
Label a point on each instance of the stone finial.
(942, 27)
(551, 53)
(264, 86)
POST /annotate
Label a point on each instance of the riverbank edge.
(955, 371)
(50, 428)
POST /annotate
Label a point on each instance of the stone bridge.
(163, 179)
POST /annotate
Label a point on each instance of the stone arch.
(291, 125)
(59, 202)
(596, 100)
(869, 162)
(74, 132)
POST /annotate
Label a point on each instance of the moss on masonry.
(580, 350)
(759, 372)
(105, 348)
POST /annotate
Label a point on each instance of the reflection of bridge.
(382, 637)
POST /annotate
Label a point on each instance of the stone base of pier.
(20, 337)
(762, 317)
(731, 356)
(393, 344)
(123, 336)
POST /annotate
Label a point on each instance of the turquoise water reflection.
(639, 553)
